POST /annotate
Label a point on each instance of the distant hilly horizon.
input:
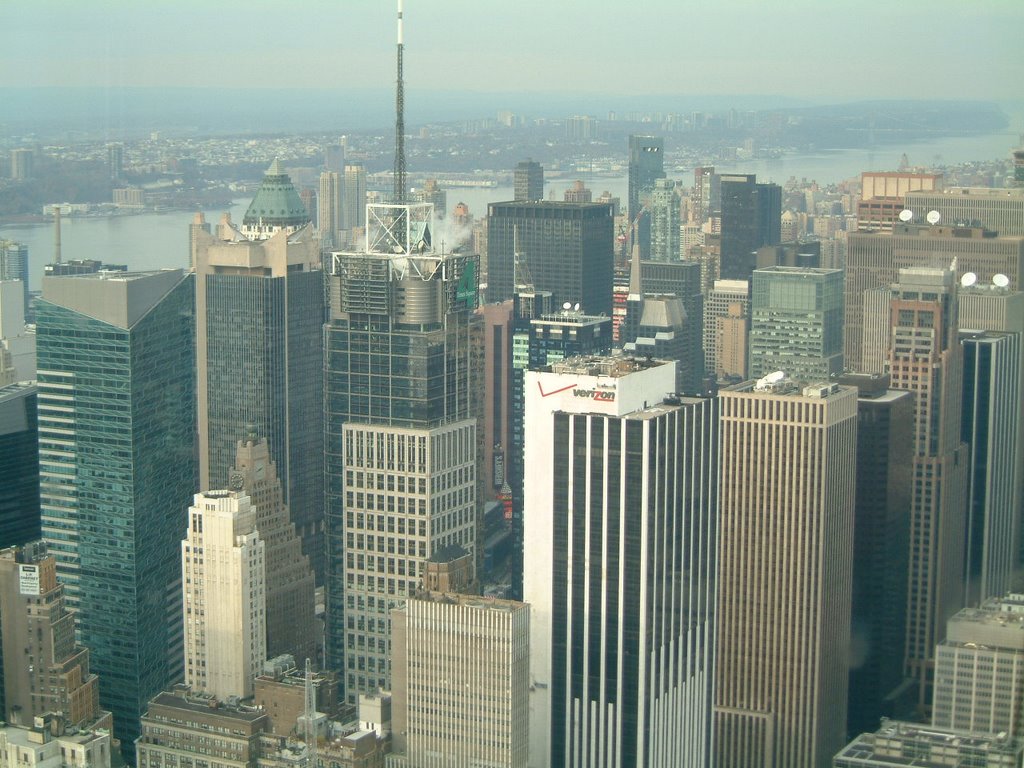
(129, 112)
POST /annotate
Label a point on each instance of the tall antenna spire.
(399, 191)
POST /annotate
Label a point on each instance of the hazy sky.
(824, 50)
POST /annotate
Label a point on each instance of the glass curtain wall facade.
(403, 356)
(263, 363)
(567, 247)
(117, 462)
(796, 323)
(19, 465)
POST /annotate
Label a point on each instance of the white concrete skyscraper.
(223, 568)
(619, 564)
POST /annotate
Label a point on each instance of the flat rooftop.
(910, 744)
(205, 705)
(615, 366)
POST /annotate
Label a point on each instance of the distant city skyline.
(737, 47)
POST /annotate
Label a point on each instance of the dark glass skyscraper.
(259, 350)
(663, 278)
(881, 533)
(990, 422)
(539, 341)
(567, 248)
(646, 165)
(19, 464)
(751, 217)
(402, 360)
(117, 462)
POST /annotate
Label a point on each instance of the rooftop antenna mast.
(399, 191)
(310, 712)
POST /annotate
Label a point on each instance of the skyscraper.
(224, 591)
(751, 217)
(785, 542)
(796, 323)
(117, 468)
(43, 669)
(567, 247)
(528, 181)
(925, 358)
(578, 193)
(291, 625)
(654, 328)
(882, 197)
(665, 221)
(997, 308)
(331, 206)
(17, 341)
(115, 160)
(997, 210)
(354, 197)
(539, 341)
(14, 265)
(990, 427)
(19, 463)
(403, 356)
(433, 193)
(881, 541)
(646, 165)
(461, 680)
(497, 396)
(683, 280)
(726, 330)
(22, 164)
(874, 260)
(702, 176)
(979, 669)
(620, 520)
(259, 350)
(334, 156)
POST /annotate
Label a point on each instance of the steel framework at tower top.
(399, 189)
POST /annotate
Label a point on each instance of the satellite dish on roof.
(567, 305)
(576, 306)
(1000, 280)
(968, 279)
(933, 217)
(906, 214)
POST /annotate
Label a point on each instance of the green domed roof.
(276, 204)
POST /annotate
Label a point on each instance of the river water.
(157, 240)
